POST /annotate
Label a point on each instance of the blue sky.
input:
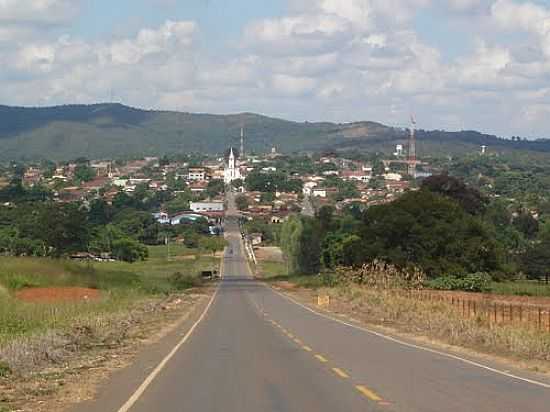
(473, 64)
(221, 22)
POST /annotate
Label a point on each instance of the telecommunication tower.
(412, 149)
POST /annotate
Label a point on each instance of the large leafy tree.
(469, 198)
(301, 244)
(432, 231)
(241, 202)
(61, 229)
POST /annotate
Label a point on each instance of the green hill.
(114, 130)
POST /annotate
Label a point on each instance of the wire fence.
(495, 313)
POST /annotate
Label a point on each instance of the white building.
(232, 170)
(206, 206)
(196, 174)
(398, 150)
(396, 177)
(319, 192)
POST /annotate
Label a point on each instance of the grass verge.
(136, 300)
(440, 322)
(521, 288)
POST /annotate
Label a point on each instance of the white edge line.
(411, 345)
(143, 387)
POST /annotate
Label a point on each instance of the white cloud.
(38, 11)
(525, 16)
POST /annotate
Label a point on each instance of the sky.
(453, 64)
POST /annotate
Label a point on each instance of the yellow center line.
(298, 341)
(321, 358)
(368, 393)
(307, 348)
(340, 373)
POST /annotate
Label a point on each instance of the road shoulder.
(521, 370)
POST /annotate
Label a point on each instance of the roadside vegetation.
(120, 286)
(386, 296)
(112, 296)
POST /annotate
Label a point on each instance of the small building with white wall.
(206, 206)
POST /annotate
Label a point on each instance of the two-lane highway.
(255, 350)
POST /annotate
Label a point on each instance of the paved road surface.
(256, 351)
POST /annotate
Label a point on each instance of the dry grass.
(65, 365)
(438, 321)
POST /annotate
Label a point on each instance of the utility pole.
(412, 149)
(242, 143)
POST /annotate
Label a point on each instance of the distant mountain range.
(114, 130)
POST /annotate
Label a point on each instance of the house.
(162, 218)
(206, 206)
(319, 192)
(279, 218)
(196, 174)
(355, 175)
(198, 186)
(397, 186)
(95, 184)
(308, 187)
(256, 238)
(393, 176)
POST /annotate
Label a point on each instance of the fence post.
(521, 313)
(496, 312)
(540, 319)
(511, 313)
(475, 308)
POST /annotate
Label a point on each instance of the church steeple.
(232, 171)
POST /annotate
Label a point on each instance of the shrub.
(5, 370)
(473, 282)
(14, 281)
(329, 280)
(381, 275)
(181, 282)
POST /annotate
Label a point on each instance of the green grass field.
(122, 286)
(521, 288)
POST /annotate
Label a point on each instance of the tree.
(268, 197)
(61, 229)
(536, 260)
(301, 244)
(325, 215)
(212, 244)
(179, 203)
(431, 231)
(100, 212)
(110, 239)
(237, 183)
(241, 202)
(526, 224)
(470, 199)
(84, 173)
(215, 188)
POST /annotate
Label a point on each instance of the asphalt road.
(254, 350)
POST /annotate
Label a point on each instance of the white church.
(232, 169)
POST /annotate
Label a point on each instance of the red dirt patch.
(65, 294)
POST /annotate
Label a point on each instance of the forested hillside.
(114, 130)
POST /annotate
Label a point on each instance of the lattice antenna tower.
(412, 149)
